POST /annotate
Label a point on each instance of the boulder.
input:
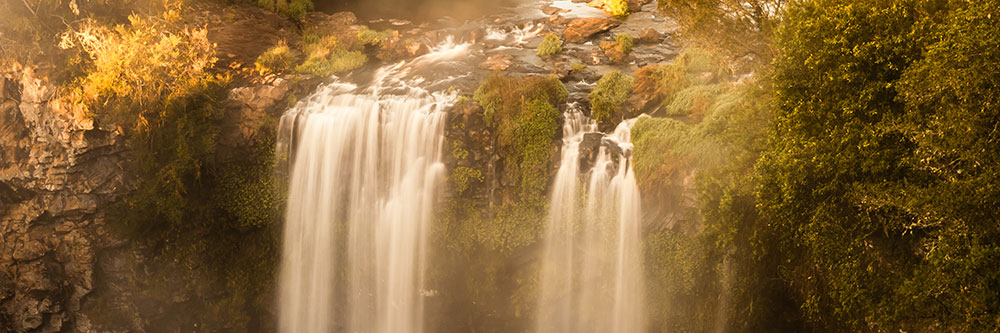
(650, 36)
(551, 10)
(497, 62)
(582, 29)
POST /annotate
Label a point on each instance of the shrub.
(616, 7)
(695, 100)
(618, 50)
(368, 36)
(133, 70)
(607, 100)
(656, 158)
(625, 43)
(277, 59)
(326, 56)
(550, 45)
(660, 84)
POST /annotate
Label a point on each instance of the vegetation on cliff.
(192, 204)
(483, 243)
(608, 99)
(856, 168)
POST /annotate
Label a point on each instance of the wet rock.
(650, 36)
(497, 62)
(582, 29)
(551, 10)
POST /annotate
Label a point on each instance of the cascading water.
(592, 277)
(365, 170)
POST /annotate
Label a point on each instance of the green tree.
(737, 28)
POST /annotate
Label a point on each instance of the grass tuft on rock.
(278, 59)
(550, 45)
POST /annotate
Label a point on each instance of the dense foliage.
(863, 196)
(738, 27)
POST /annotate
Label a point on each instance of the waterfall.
(365, 168)
(592, 277)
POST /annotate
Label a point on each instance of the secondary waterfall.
(592, 277)
(365, 171)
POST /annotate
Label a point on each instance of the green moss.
(462, 176)
(607, 100)
(248, 191)
(278, 59)
(578, 67)
(550, 45)
(458, 152)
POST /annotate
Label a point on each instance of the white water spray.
(365, 172)
(592, 277)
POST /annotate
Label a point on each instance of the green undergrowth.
(663, 83)
(322, 53)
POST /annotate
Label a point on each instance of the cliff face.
(62, 266)
(56, 172)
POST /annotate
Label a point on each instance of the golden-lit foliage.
(133, 70)
(278, 59)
